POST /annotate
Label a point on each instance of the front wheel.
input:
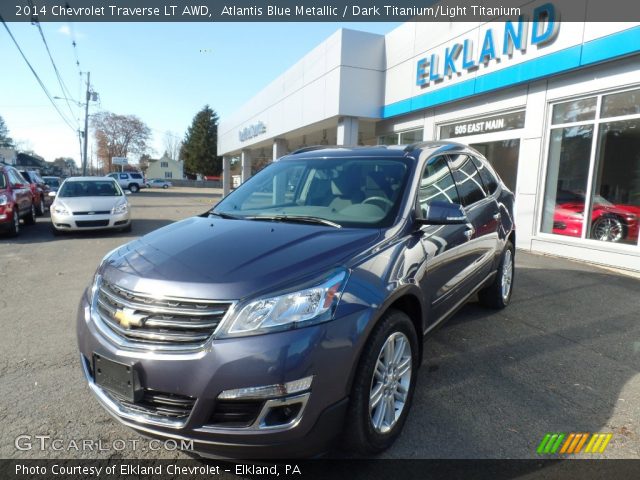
(608, 228)
(31, 218)
(383, 386)
(14, 228)
(41, 207)
(498, 294)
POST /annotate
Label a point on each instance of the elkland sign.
(252, 131)
(461, 57)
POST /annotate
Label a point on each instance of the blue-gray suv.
(294, 312)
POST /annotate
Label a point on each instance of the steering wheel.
(385, 201)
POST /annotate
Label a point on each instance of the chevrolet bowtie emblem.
(127, 317)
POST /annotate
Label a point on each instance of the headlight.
(290, 310)
(60, 210)
(4, 199)
(122, 208)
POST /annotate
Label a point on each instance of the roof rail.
(310, 149)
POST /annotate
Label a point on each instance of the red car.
(39, 189)
(16, 200)
(609, 222)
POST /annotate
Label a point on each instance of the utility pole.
(86, 125)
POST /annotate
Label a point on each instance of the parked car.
(39, 189)
(132, 181)
(282, 318)
(609, 222)
(159, 183)
(16, 201)
(53, 183)
(90, 203)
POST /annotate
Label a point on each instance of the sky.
(164, 73)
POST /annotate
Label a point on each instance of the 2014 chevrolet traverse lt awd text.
(295, 310)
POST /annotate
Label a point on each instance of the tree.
(5, 139)
(172, 145)
(119, 136)
(200, 146)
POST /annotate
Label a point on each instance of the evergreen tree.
(200, 147)
(5, 139)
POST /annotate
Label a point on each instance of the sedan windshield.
(349, 192)
(90, 188)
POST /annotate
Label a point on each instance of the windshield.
(90, 188)
(349, 192)
(52, 182)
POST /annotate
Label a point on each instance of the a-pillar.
(246, 165)
(226, 175)
(347, 131)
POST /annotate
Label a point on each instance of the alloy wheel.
(390, 383)
(507, 274)
(607, 229)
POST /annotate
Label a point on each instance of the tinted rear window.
(470, 185)
(136, 176)
(488, 178)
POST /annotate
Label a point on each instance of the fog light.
(268, 391)
(282, 415)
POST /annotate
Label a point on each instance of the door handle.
(469, 232)
(497, 216)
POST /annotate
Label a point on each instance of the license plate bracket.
(116, 377)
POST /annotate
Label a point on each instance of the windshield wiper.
(296, 219)
(225, 215)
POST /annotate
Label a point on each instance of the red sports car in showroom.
(609, 222)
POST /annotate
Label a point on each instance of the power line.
(35, 74)
(65, 91)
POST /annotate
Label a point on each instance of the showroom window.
(592, 187)
(402, 138)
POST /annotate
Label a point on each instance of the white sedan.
(90, 203)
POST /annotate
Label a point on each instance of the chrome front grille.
(157, 322)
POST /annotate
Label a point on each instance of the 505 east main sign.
(461, 57)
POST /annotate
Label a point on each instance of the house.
(165, 168)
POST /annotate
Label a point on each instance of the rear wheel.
(40, 209)
(31, 218)
(165, 186)
(14, 228)
(383, 386)
(498, 294)
(134, 188)
(608, 228)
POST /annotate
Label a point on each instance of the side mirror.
(442, 213)
(52, 194)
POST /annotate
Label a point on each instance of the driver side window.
(436, 183)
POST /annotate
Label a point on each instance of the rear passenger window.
(123, 176)
(488, 177)
(136, 176)
(437, 183)
(468, 180)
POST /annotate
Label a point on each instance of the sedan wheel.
(14, 229)
(607, 229)
(41, 208)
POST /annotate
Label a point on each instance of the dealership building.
(554, 106)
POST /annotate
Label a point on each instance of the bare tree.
(119, 136)
(172, 145)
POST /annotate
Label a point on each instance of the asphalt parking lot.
(564, 357)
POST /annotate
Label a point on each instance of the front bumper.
(326, 351)
(90, 222)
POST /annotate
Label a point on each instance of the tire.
(165, 186)
(14, 228)
(608, 228)
(134, 187)
(40, 209)
(498, 294)
(30, 219)
(368, 429)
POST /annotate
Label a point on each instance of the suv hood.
(222, 259)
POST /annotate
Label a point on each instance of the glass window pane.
(389, 139)
(574, 111)
(615, 205)
(567, 173)
(624, 103)
(470, 186)
(414, 136)
(488, 178)
(437, 183)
